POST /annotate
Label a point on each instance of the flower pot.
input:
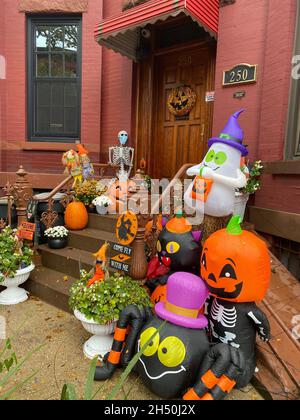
(102, 209)
(241, 201)
(57, 243)
(14, 294)
(101, 341)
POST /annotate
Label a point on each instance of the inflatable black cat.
(178, 249)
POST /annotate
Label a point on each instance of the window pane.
(71, 121)
(57, 94)
(57, 120)
(57, 38)
(70, 95)
(42, 65)
(43, 94)
(56, 65)
(43, 120)
(70, 65)
(71, 39)
(42, 38)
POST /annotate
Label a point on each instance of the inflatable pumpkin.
(235, 265)
(76, 216)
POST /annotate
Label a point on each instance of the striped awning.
(122, 32)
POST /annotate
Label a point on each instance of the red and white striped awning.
(122, 32)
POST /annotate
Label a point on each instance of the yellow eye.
(152, 347)
(158, 246)
(171, 352)
(173, 247)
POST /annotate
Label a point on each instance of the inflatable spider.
(175, 349)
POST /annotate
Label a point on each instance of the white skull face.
(222, 159)
(123, 137)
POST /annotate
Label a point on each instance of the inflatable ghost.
(219, 175)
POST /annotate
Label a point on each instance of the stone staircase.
(51, 281)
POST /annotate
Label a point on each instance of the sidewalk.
(62, 359)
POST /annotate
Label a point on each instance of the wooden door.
(178, 141)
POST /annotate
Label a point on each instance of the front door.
(180, 140)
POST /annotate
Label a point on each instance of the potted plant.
(98, 308)
(253, 184)
(15, 267)
(102, 203)
(57, 237)
(87, 191)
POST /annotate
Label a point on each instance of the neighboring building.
(71, 89)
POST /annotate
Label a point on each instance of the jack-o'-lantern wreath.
(181, 101)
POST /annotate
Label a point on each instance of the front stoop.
(60, 268)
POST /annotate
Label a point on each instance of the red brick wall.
(260, 32)
(116, 90)
(15, 122)
(2, 94)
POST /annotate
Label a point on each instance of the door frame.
(143, 113)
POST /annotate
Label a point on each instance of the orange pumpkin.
(118, 193)
(76, 216)
(235, 264)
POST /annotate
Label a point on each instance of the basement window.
(54, 78)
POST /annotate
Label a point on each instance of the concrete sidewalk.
(62, 359)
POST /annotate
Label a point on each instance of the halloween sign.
(181, 101)
(127, 228)
(26, 231)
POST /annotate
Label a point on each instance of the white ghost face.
(222, 159)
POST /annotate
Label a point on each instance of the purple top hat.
(186, 295)
(233, 134)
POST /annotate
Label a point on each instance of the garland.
(181, 101)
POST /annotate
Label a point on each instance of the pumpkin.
(76, 216)
(235, 264)
(118, 193)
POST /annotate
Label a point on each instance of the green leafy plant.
(253, 183)
(88, 190)
(9, 366)
(14, 255)
(103, 301)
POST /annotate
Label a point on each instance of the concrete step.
(90, 239)
(105, 223)
(51, 286)
(68, 260)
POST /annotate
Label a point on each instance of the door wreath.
(181, 101)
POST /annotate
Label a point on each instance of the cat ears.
(197, 235)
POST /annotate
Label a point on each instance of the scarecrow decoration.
(219, 175)
(178, 249)
(175, 350)
(235, 266)
(87, 166)
(73, 166)
(181, 101)
(101, 270)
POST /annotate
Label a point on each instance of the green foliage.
(88, 190)
(9, 366)
(13, 254)
(104, 301)
(253, 183)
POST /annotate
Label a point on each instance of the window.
(293, 132)
(54, 78)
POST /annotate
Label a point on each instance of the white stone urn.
(101, 341)
(13, 293)
(240, 204)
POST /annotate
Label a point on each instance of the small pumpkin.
(235, 264)
(76, 216)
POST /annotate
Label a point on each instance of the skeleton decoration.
(122, 156)
(173, 346)
(235, 266)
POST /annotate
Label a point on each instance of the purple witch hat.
(186, 295)
(232, 134)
